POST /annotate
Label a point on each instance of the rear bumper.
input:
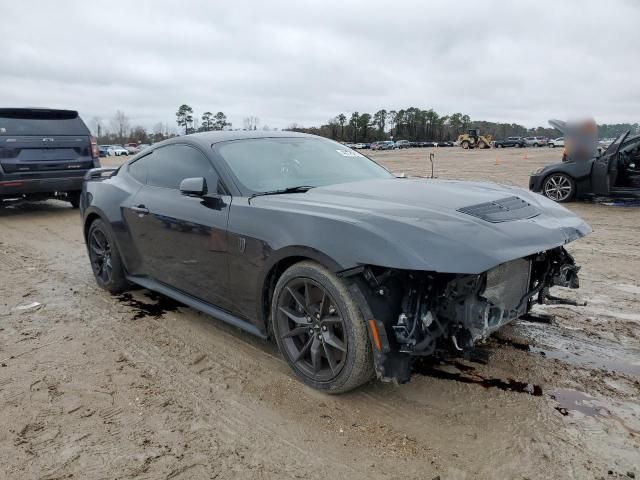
(16, 185)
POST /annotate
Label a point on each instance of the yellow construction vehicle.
(473, 139)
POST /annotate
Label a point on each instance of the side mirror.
(195, 187)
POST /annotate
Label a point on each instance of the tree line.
(415, 124)
(208, 121)
(118, 130)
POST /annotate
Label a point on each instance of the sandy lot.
(94, 386)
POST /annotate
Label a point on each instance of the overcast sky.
(305, 62)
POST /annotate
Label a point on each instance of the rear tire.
(104, 255)
(320, 330)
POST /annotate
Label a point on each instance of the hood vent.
(503, 210)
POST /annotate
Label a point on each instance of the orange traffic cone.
(497, 160)
(526, 156)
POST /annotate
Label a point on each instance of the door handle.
(140, 209)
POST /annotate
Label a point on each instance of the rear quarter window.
(138, 169)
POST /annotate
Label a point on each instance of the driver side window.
(167, 166)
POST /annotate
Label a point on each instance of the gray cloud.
(304, 62)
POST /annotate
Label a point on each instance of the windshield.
(266, 164)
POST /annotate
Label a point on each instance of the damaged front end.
(416, 313)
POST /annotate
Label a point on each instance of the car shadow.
(9, 208)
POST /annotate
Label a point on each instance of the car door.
(604, 168)
(182, 239)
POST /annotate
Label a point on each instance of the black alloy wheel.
(312, 329)
(100, 255)
(320, 329)
(105, 258)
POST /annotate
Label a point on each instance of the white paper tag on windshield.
(349, 153)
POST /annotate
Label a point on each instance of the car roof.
(205, 139)
(22, 112)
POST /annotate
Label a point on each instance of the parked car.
(535, 141)
(383, 145)
(103, 150)
(118, 150)
(44, 153)
(132, 148)
(403, 144)
(359, 146)
(614, 173)
(556, 142)
(351, 270)
(510, 142)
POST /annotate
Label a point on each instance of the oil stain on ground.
(158, 306)
(467, 374)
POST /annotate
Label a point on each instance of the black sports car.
(614, 173)
(298, 238)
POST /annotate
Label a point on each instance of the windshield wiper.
(296, 189)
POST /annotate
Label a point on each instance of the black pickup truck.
(510, 142)
(44, 153)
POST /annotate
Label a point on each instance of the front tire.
(320, 330)
(559, 187)
(465, 145)
(104, 255)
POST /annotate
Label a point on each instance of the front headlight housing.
(538, 171)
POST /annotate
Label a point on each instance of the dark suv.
(44, 154)
(510, 142)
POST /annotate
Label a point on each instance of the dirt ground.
(100, 387)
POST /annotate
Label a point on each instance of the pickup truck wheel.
(106, 262)
(559, 187)
(320, 330)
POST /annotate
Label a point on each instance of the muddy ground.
(94, 386)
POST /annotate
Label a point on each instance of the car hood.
(427, 224)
